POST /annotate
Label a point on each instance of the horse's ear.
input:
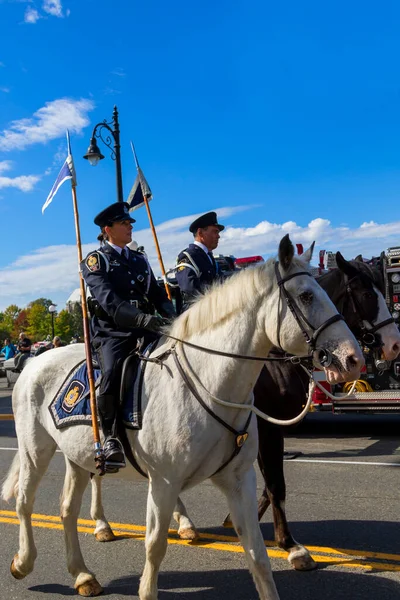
(307, 255)
(359, 258)
(285, 252)
(345, 266)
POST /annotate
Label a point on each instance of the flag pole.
(153, 229)
(98, 451)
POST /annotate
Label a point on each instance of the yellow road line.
(326, 555)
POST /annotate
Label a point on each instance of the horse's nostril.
(353, 361)
(396, 348)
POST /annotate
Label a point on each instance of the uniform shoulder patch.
(93, 262)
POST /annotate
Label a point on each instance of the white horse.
(180, 443)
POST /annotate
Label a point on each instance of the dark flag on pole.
(140, 190)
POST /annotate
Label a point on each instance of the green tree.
(10, 318)
(39, 319)
(64, 325)
(4, 332)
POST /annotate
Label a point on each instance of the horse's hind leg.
(76, 480)
(103, 531)
(240, 491)
(33, 463)
(161, 500)
(270, 461)
(187, 529)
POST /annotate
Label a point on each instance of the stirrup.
(114, 455)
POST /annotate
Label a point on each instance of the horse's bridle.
(368, 334)
(325, 357)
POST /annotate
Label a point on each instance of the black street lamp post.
(52, 310)
(94, 155)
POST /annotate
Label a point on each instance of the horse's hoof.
(228, 523)
(105, 535)
(189, 533)
(90, 588)
(301, 560)
(14, 571)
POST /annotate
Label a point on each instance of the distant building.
(75, 298)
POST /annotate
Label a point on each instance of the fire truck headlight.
(395, 315)
(396, 277)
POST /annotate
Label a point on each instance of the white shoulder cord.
(190, 265)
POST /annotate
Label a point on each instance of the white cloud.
(53, 7)
(31, 15)
(6, 90)
(5, 165)
(25, 183)
(40, 270)
(119, 71)
(47, 123)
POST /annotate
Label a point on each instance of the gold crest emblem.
(72, 396)
(92, 262)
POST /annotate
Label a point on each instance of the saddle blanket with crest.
(71, 404)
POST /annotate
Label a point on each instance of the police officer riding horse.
(123, 297)
(196, 265)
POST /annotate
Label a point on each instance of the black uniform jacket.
(120, 286)
(191, 283)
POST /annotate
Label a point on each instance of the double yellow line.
(342, 557)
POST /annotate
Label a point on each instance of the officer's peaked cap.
(209, 218)
(119, 211)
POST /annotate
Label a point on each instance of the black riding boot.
(113, 451)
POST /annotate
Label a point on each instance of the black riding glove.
(130, 317)
(150, 322)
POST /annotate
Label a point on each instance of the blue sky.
(284, 116)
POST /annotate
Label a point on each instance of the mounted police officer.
(124, 293)
(196, 266)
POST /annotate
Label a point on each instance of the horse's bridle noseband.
(302, 321)
(368, 335)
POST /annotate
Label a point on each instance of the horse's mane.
(222, 300)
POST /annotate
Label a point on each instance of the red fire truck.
(378, 389)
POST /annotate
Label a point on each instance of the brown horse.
(281, 390)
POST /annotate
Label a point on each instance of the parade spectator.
(24, 347)
(24, 343)
(9, 350)
(57, 342)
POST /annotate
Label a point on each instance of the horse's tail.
(9, 489)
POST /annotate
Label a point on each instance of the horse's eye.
(368, 295)
(306, 297)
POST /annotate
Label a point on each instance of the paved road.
(343, 503)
